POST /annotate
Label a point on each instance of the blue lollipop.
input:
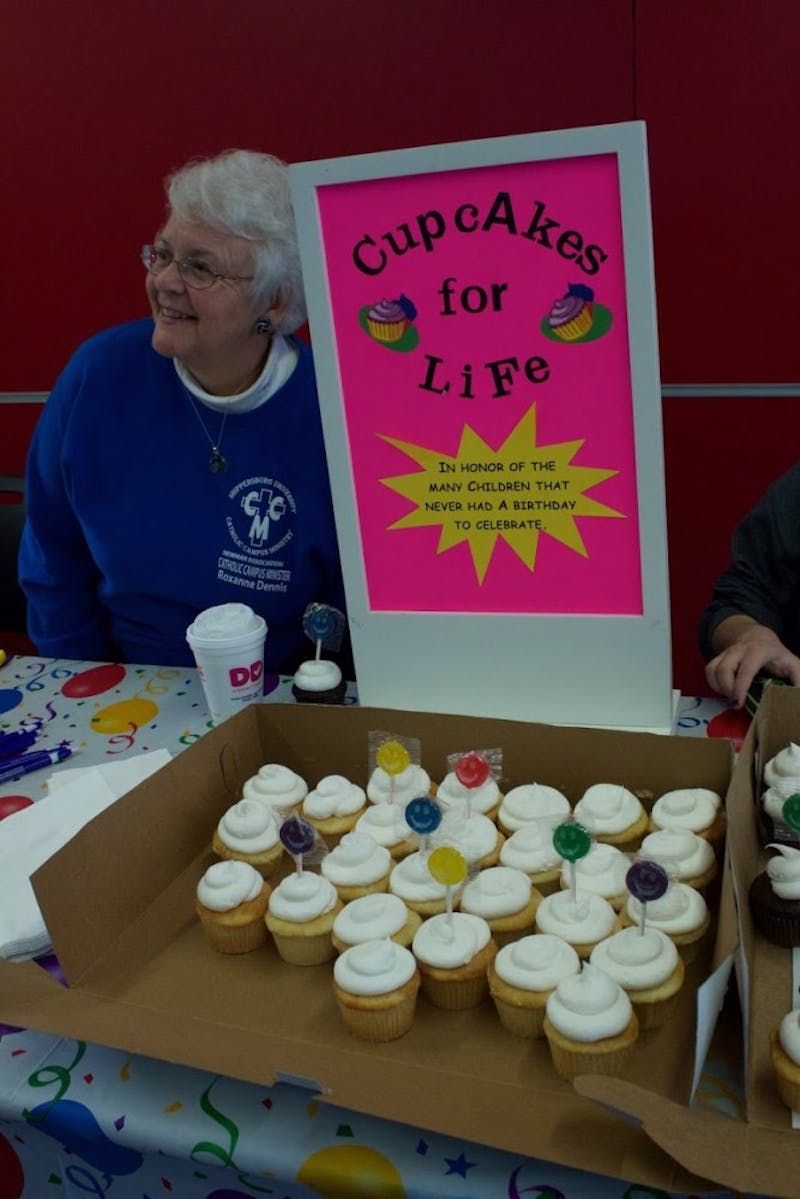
(320, 622)
(423, 815)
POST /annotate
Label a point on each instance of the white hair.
(247, 194)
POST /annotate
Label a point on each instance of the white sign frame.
(610, 671)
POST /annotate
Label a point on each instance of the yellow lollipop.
(447, 866)
(393, 757)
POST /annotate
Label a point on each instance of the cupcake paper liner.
(235, 938)
(609, 1056)
(384, 1023)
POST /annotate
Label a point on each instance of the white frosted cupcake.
(523, 976)
(413, 782)
(372, 918)
(774, 897)
(784, 1046)
(532, 802)
(277, 786)
(453, 795)
(475, 836)
(453, 952)
(681, 913)
(695, 808)
(357, 866)
(581, 920)
(413, 883)
(386, 824)
(602, 871)
(686, 857)
(318, 681)
(612, 813)
(531, 850)
(300, 916)
(783, 765)
(334, 806)
(775, 797)
(231, 901)
(590, 1025)
(506, 900)
(648, 967)
(376, 985)
(247, 832)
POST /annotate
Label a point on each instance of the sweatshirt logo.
(266, 507)
(261, 518)
(260, 524)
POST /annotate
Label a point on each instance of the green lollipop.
(571, 841)
(791, 811)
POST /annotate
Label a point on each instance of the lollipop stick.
(448, 899)
(318, 654)
(642, 918)
(573, 882)
(299, 864)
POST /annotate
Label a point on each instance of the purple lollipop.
(423, 815)
(646, 880)
(297, 835)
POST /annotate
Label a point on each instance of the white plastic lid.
(225, 625)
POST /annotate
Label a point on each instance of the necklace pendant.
(216, 461)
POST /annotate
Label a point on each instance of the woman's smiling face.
(211, 331)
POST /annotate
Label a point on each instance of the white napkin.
(31, 836)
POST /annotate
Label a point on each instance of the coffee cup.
(228, 646)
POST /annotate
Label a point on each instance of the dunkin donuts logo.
(242, 676)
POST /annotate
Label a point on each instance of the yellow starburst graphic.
(515, 492)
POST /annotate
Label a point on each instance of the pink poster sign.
(481, 336)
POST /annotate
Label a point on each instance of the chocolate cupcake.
(775, 898)
(319, 682)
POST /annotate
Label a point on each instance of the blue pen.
(14, 744)
(15, 768)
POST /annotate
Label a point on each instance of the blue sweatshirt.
(129, 533)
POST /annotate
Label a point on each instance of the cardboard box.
(118, 901)
(764, 971)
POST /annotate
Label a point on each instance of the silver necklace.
(216, 462)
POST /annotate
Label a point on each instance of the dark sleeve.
(56, 569)
(763, 577)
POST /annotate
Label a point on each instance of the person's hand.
(748, 647)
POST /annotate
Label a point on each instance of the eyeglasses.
(194, 272)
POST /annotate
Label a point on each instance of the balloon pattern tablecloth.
(78, 1119)
(106, 710)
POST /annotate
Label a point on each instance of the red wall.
(106, 99)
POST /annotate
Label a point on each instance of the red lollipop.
(472, 770)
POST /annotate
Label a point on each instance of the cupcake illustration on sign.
(390, 322)
(576, 316)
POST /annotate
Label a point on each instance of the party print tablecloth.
(78, 1119)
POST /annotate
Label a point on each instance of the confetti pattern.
(83, 1119)
(104, 712)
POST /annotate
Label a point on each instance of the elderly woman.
(179, 461)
